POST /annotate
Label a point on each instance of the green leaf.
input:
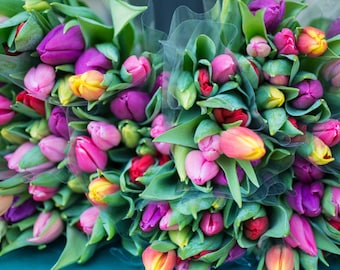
(163, 246)
(206, 128)
(75, 11)
(10, 8)
(292, 9)
(249, 170)
(227, 101)
(51, 178)
(15, 20)
(19, 242)
(32, 158)
(205, 48)
(276, 118)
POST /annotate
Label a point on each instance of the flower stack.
(194, 150)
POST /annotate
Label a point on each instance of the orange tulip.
(99, 188)
(157, 260)
(280, 257)
(311, 41)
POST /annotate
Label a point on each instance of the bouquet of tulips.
(213, 145)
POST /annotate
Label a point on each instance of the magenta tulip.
(92, 59)
(42, 193)
(6, 113)
(285, 42)
(136, 70)
(223, 66)
(305, 171)
(212, 223)
(309, 92)
(58, 124)
(328, 131)
(53, 147)
(152, 214)
(104, 135)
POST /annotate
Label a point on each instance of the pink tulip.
(53, 147)
(88, 218)
(6, 113)
(328, 131)
(285, 42)
(210, 147)
(14, 158)
(158, 126)
(104, 135)
(41, 193)
(164, 223)
(223, 66)
(258, 47)
(211, 223)
(136, 70)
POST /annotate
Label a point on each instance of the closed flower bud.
(235, 253)
(158, 126)
(210, 147)
(88, 218)
(89, 157)
(305, 171)
(104, 135)
(99, 188)
(285, 42)
(242, 143)
(212, 223)
(57, 123)
(130, 104)
(223, 66)
(164, 223)
(185, 91)
(65, 93)
(269, 97)
(279, 257)
(198, 169)
(204, 82)
(47, 227)
(30, 101)
(331, 203)
(76, 184)
(328, 131)
(61, 47)
(224, 116)
(38, 129)
(333, 28)
(6, 113)
(321, 153)
(92, 59)
(136, 70)
(41, 193)
(258, 47)
(53, 147)
(253, 228)
(331, 72)
(152, 214)
(277, 71)
(158, 260)
(19, 211)
(311, 41)
(139, 165)
(36, 5)
(5, 203)
(309, 92)
(129, 133)
(14, 158)
(88, 85)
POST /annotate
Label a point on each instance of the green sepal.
(98, 231)
(163, 246)
(226, 101)
(323, 242)
(15, 20)
(110, 51)
(249, 170)
(248, 70)
(308, 261)
(179, 154)
(206, 128)
(51, 178)
(276, 118)
(65, 197)
(154, 106)
(23, 109)
(205, 47)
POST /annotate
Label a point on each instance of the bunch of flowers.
(218, 143)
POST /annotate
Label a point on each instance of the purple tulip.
(328, 131)
(104, 135)
(162, 80)
(273, 14)
(60, 47)
(210, 147)
(53, 147)
(92, 59)
(88, 156)
(6, 113)
(331, 72)
(235, 253)
(57, 123)
(19, 212)
(223, 66)
(130, 104)
(309, 92)
(305, 171)
(136, 70)
(306, 198)
(152, 214)
(211, 223)
(331, 203)
(221, 178)
(301, 235)
(285, 42)
(333, 28)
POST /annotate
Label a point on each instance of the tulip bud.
(47, 228)
(6, 113)
(19, 211)
(76, 184)
(88, 85)
(321, 153)
(181, 237)
(65, 93)
(38, 129)
(130, 104)
(258, 47)
(36, 5)
(277, 71)
(309, 92)
(157, 260)
(210, 147)
(185, 91)
(242, 143)
(57, 123)
(328, 131)
(331, 203)
(333, 28)
(104, 135)
(223, 66)
(162, 80)
(14, 158)
(198, 169)
(279, 257)
(135, 70)
(139, 165)
(5, 203)
(269, 97)
(31, 102)
(331, 72)
(158, 126)
(212, 223)
(301, 235)
(41, 193)
(152, 214)
(253, 228)
(61, 47)
(285, 42)
(88, 156)
(88, 218)
(311, 41)
(305, 171)
(204, 82)
(99, 188)
(129, 133)
(164, 223)
(53, 147)
(92, 59)
(235, 253)
(224, 116)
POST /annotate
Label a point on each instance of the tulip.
(136, 70)
(273, 13)
(65, 93)
(269, 97)
(277, 71)
(204, 82)
(60, 46)
(335, 224)
(305, 171)
(88, 218)
(6, 113)
(331, 72)
(309, 92)
(235, 253)
(211, 223)
(31, 102)
(53, 147)
(223, 66)
(20, 211)
(328, 131)
(92, 59)
(162, 80)
(57, 123)
(130, 104)
(38, 129)
(279, 257)
(242, 143)
(198, 169)
(158, 126)
(104, 135)
(285, 42)
(36, 5)
(14, 158)
(311, 41)
(321, 153)
(306, 198)
(152, 214)
(88, 156)
(185, 90)
(5, 203)
(224, 116)
(221, 178)
(331, 203)
(157, 260)
(41, 193)
(301, 235)
(47, 228)
(139, 165)
(88, 85)
(258, 47)
(130, 133)
(253, 228)
(99, 188)
(164, 223)
(210, 147)
(333, 28)
(39, 81)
